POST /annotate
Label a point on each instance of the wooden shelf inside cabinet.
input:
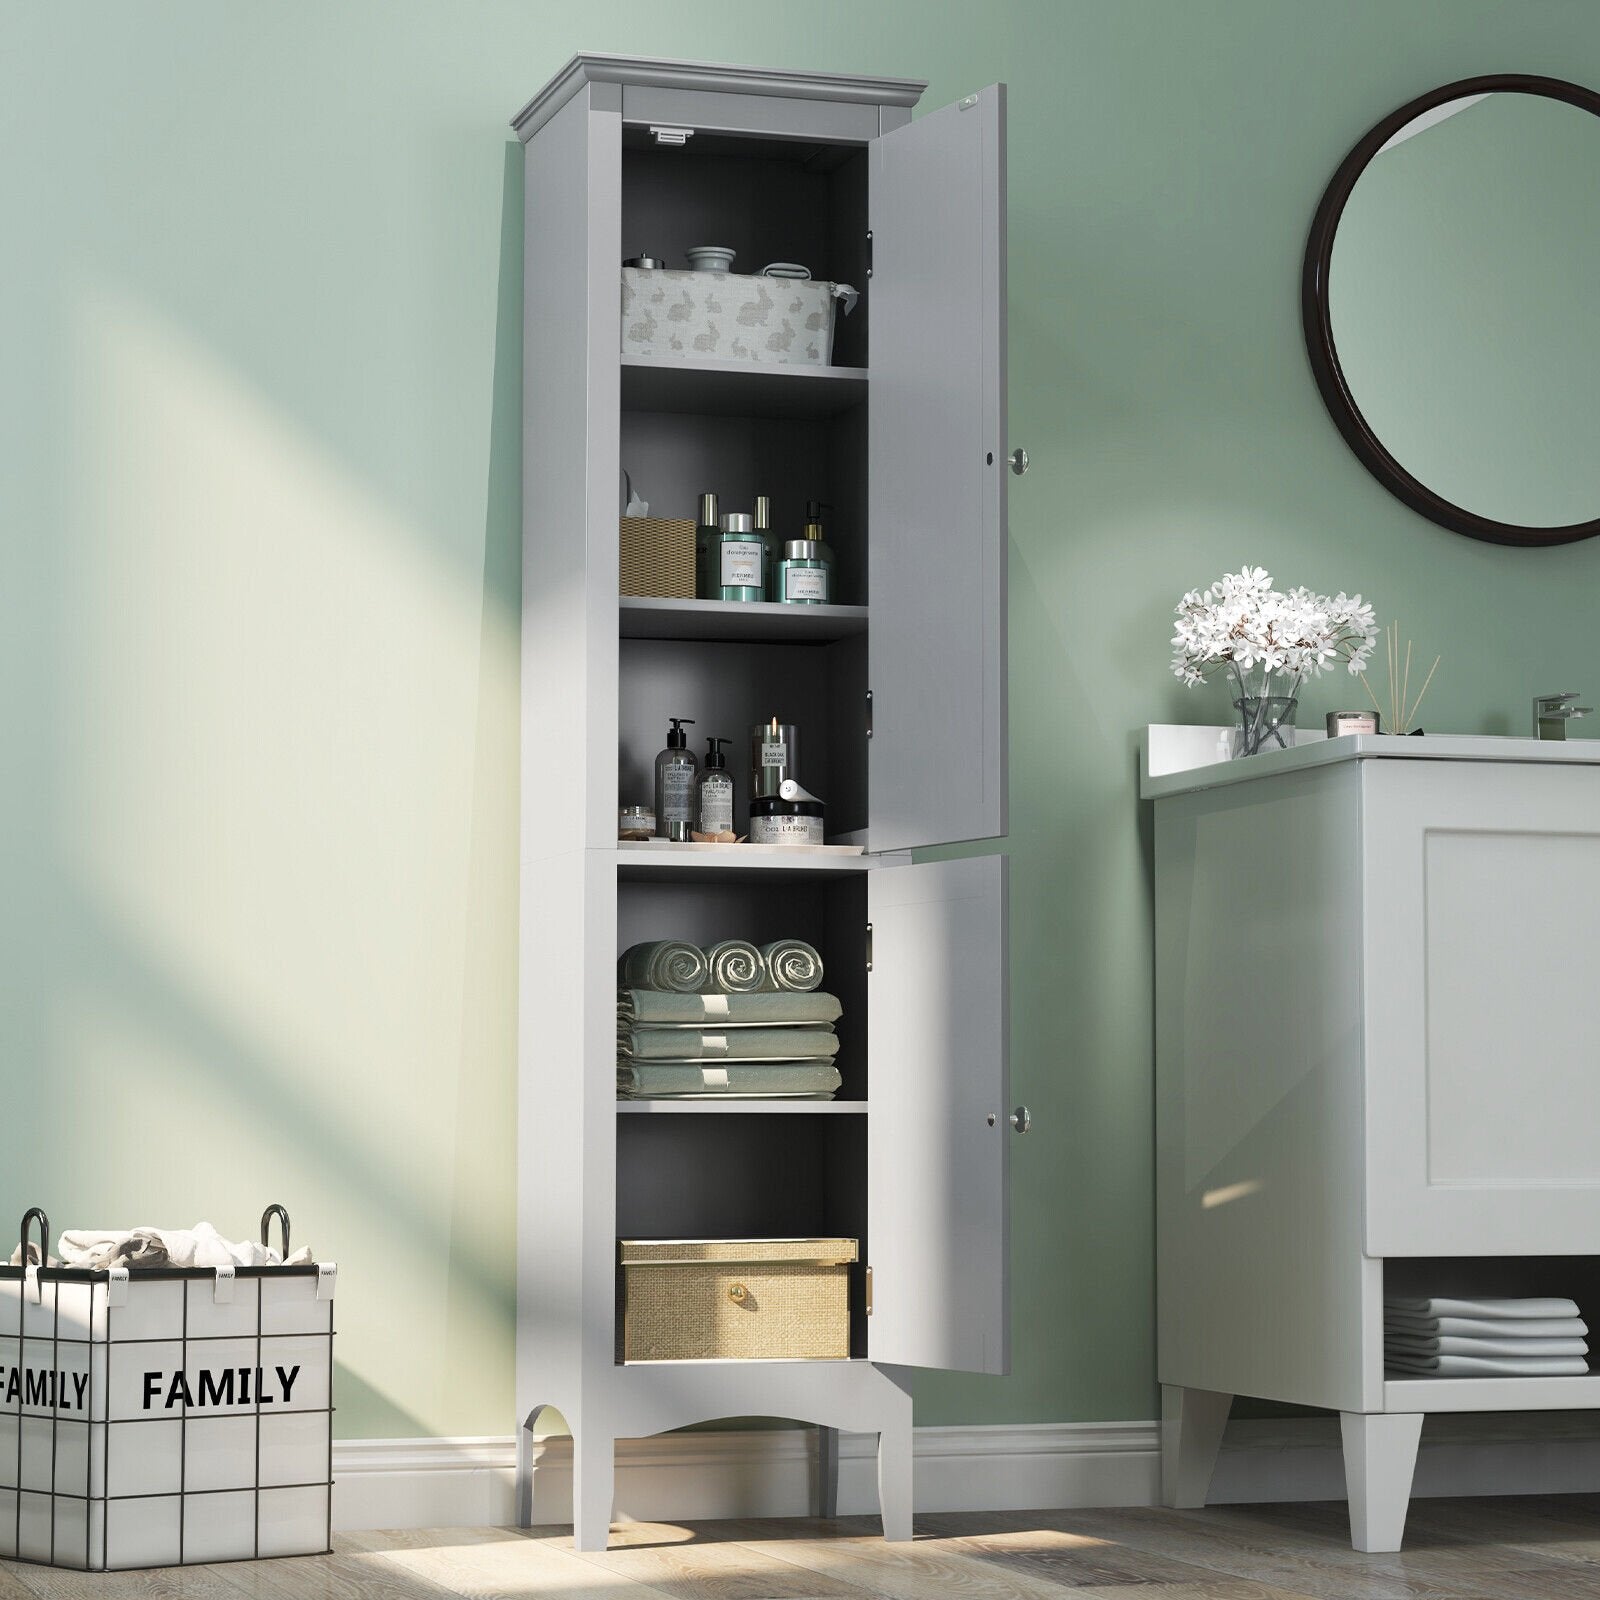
(743, 1108)
(735, 863)
(739, 388)
(729, 621)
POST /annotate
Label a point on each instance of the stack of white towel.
(1492, 1337)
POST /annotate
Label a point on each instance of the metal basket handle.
(44, 1236)
(266, 1221)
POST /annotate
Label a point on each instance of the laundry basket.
(164, 1416)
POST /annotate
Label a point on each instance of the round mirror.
(1452, 310)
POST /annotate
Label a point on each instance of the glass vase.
(1265, 722)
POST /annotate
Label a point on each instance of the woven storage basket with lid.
(749, 1299)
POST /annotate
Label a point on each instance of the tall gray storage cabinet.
(899, 688)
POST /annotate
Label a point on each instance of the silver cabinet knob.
(1022, 1119)
(1019, 461)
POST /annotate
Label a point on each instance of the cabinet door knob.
(1022, 1119)
(737, 1292)
(1019, 461)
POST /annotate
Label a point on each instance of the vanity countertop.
(1179, 759)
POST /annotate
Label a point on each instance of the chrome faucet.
(1552, 713)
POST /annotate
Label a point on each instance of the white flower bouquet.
(1270, 641)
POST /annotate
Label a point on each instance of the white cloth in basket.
(199, 1246)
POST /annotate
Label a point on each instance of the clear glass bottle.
(676, 770)
(715, 791)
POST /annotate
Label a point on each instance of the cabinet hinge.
(869, 713)
(869, 947)
(869, 1291)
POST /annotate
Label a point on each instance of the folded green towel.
(726, 1010)
(670, 964)
(736, 1044)
(817, 1080)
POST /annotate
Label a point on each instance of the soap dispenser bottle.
(804, 577)
(715, 790)
(676, 771)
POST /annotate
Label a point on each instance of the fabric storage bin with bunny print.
(728, 316)
(164, 1416)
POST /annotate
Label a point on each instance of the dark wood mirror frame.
(1314, 313)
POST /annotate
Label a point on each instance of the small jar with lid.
(738, 559)
(636, 822)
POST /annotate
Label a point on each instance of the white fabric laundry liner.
(165, 1416)
(730, 316)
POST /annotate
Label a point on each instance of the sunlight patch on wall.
(277, 698)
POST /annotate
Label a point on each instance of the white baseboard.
(418, 1483)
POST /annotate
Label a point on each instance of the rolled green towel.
(792, 964)
(727, 1010)
(737, 967)
(806, 1080)
(737, 1044)
(668, 964)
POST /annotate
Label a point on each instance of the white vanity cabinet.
(899, 691)
(1376, 1071)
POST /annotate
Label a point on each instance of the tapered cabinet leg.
(1192, 1421)
(593, 1486)
(826, 1499)
(894, 1480)
(1380, 1455)
(524, 1476)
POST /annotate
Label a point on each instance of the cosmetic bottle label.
(805, 583)
(741, 564)
(716, 808)
(677, 791)
(786, 830)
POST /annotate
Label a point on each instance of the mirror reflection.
(1463, 309)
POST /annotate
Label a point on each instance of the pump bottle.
(715, 790)
(804, 575)
(676, 771)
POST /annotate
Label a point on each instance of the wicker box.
(657, 558)
(744, 1299)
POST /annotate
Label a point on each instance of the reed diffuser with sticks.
(1401, 708)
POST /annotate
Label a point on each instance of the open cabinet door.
(937, 1127)
(936, 446)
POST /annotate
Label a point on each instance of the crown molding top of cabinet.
(721, 77)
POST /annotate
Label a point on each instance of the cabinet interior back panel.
(767, 207)
(672, 457)
(727, 689)
(747, 1177)
(741, 1177)
(1512, 1097)
(831, 916)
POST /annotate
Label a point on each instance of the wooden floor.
(1508, 1549)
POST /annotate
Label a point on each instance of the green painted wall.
(258, 485)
